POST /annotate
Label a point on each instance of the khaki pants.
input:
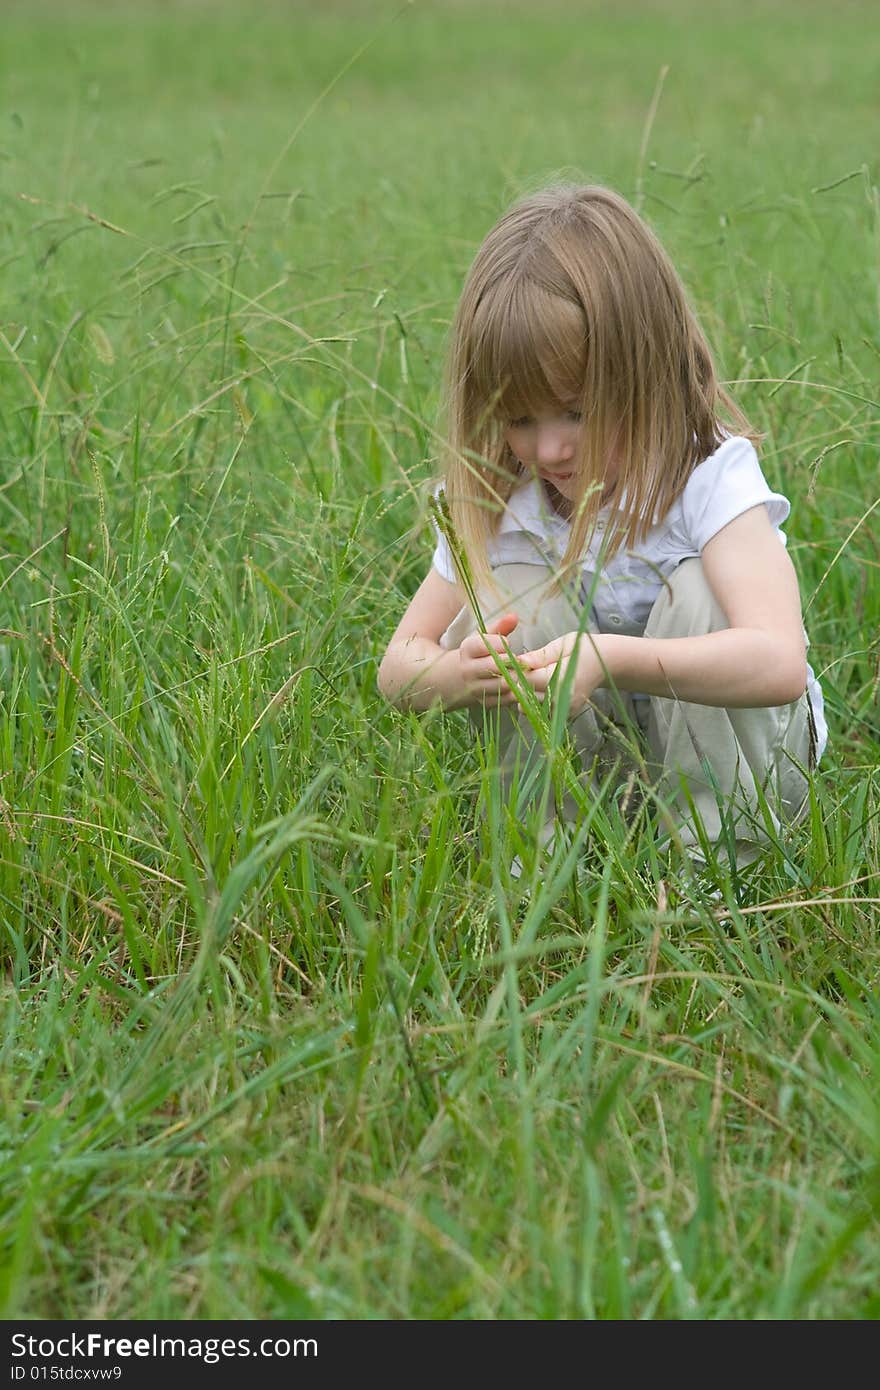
(736, 773)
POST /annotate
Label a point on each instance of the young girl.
(606, 508)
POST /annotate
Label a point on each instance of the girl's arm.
(758, 661)
(416, 672)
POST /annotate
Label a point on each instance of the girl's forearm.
(737, 668)
(418, 673)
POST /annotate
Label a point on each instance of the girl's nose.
(553, 445)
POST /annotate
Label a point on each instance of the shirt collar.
(529, 510)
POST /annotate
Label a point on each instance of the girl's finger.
(553, 652)
(539, 680)
(479, 644)
(503, 625)
(542, 656)
(486, 668)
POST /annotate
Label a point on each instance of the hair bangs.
(529, 351)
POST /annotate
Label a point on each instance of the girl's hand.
(552, 661)
(481, 680)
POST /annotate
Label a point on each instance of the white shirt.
(624, 589)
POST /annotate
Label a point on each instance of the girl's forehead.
(529, 352)
(516, 403)
(548, 385)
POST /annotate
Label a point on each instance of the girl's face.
(547, 446)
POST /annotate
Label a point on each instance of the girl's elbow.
(390, 686)
(384, 683)
(780, 670)
(800, 685)
(792, 681)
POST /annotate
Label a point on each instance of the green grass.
(278, 1038)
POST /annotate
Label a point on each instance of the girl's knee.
(521, 588)
(544, 613)
(525, 590)
(686, 605)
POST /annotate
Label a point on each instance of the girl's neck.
(562, 506)
(559, 504)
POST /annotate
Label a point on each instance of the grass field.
(278, 1038)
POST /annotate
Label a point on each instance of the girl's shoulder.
(722, 486)
(734, 455)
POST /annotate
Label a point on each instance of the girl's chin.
(559, 496)
(563, 486)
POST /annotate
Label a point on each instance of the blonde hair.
(571, 302)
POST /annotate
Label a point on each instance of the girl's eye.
(521, 423)
(574, 415)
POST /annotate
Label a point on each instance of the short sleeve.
(442, 557)
(722, 487)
